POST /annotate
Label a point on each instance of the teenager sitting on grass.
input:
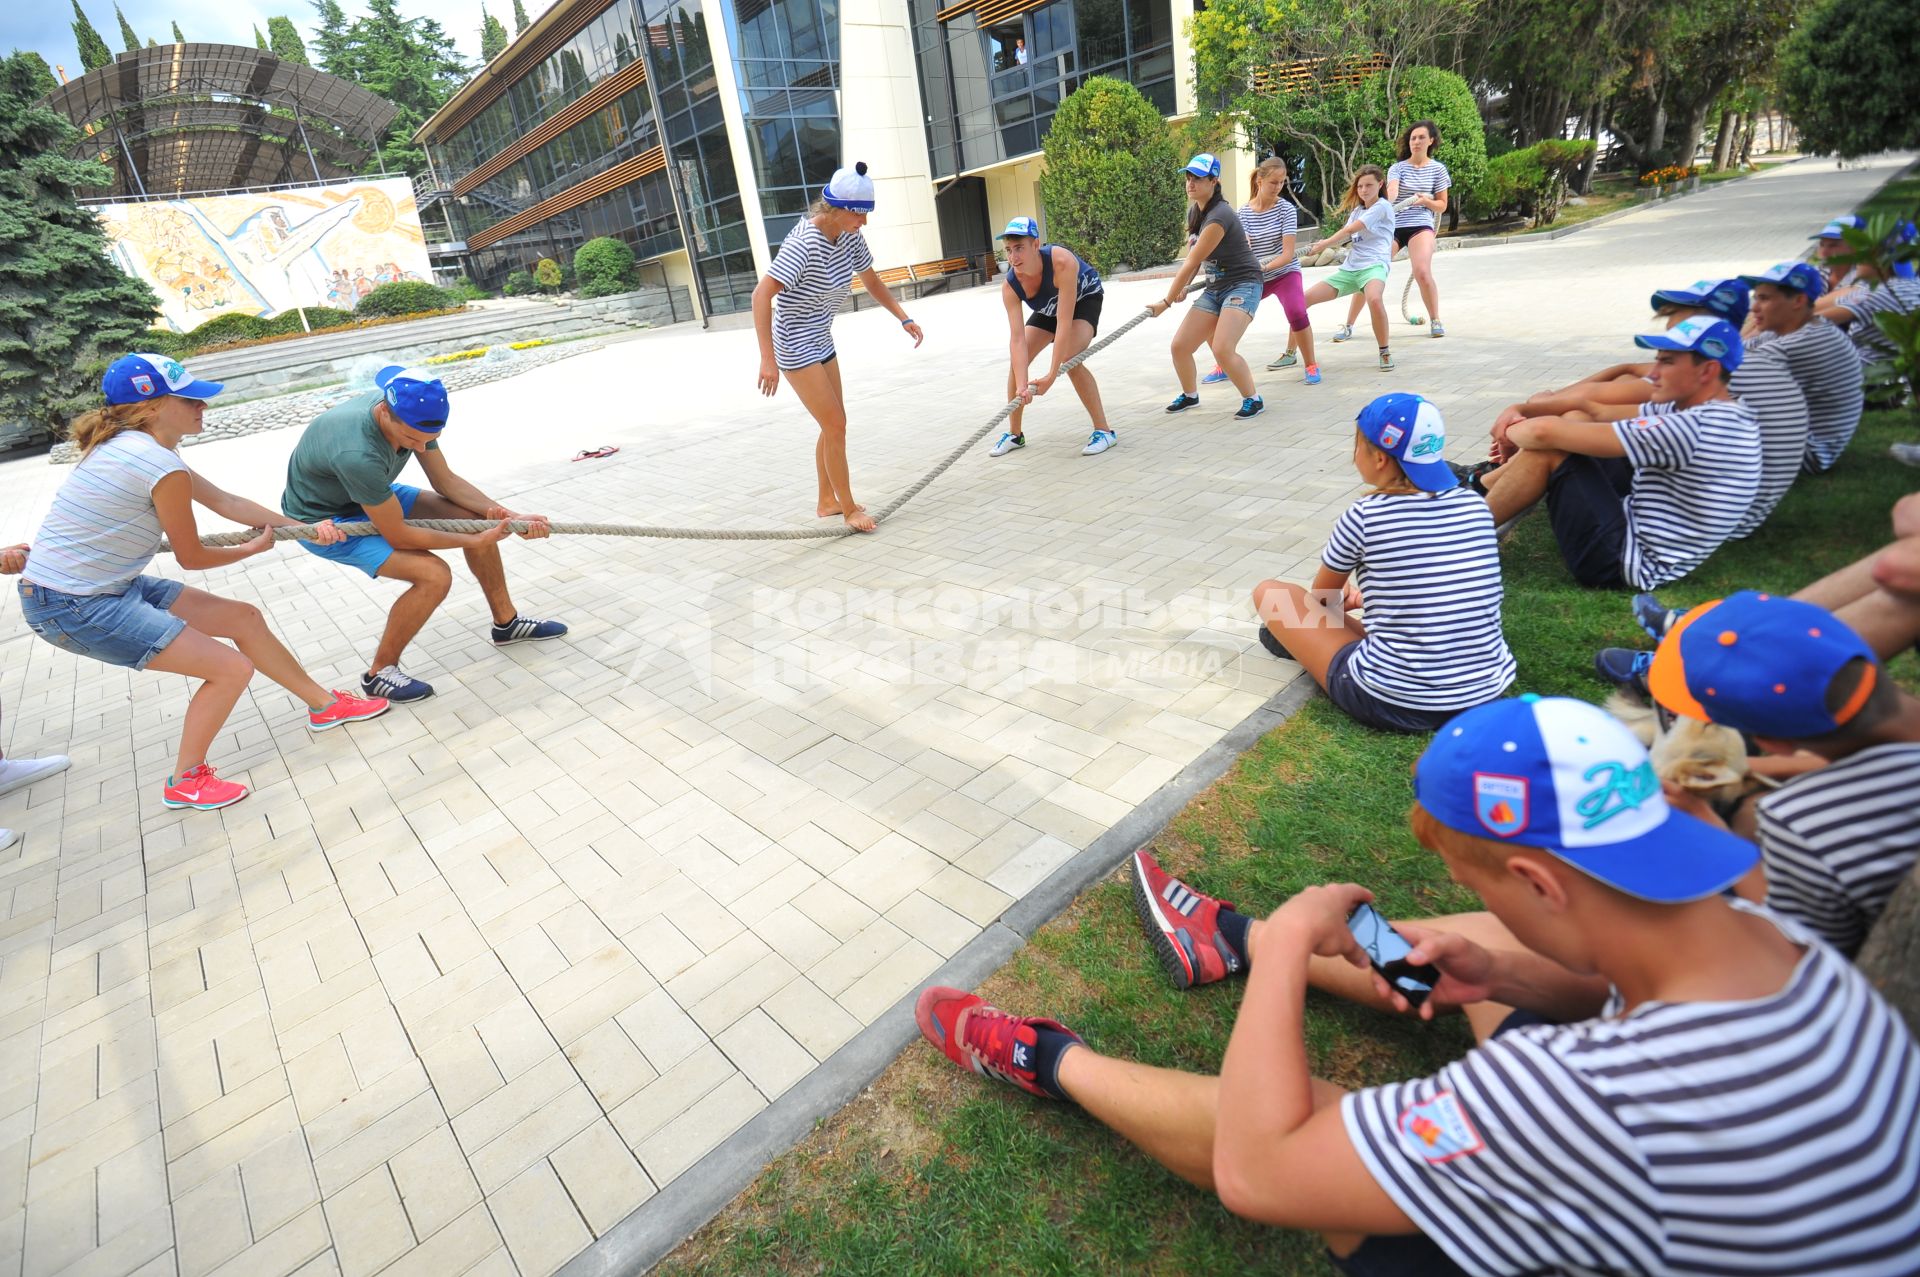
(1422, 551)
(1666, 1049)
(1835, 840)
(1818, 354)
(1645, 495)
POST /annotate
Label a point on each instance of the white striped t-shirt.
(1837, 841)
(103, 529)
(1695, 474)
(1831, 376)
(816, 277)
(1764, 383)
(1889, 295)
(1428, 566)
(1769, 1137)
(1268, 232)
(1430, 178)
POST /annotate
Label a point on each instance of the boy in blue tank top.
(1064, 295)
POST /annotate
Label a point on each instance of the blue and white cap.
(1796, 277)
(1569, 778)
(1020, 228)
(133, 378)
(1701, 335)
(1204, 165)
(1726, 298)
(851, 189)
(1839, 226)
(1409, 429)
(415, 396)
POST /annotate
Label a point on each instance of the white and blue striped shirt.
(1764, 383)
(1887, 296)
(103, 529)
(1428, 566)
(816, 277)
(1775, 1136)
(1268, 232)
(1430, 178)
(1831, 377)
(1695, 475)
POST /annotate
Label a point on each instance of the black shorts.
(1364, 707)
(1402, 235)
(1586, 503)
(1087, 308)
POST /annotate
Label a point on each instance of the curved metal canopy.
(182, 119)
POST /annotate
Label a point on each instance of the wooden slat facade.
(1291, 77)
(599, 184)
(521, 60)
(988, 12)
(631, 76)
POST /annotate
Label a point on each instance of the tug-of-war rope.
(305, 531)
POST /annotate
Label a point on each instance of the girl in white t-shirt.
(1370, 226)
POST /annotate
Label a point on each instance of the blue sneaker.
(1182, 402)
(1653, 616)
(524, 629)
(1251, 407)
(1214, 378)
(395, 685)
(1313, 374)
(1624, 667)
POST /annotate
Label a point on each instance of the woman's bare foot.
(827, 509)
(860, 520)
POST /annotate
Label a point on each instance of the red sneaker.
(347, 709)
(201, 790)
(985, 1038)
(1183, 925)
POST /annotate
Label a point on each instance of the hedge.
(403, 297)
(603, 267)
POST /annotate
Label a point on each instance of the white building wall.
(882, 122)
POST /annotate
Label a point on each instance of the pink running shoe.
(201, 790)
(347, 709)
(984, 1038)
(1183, 925)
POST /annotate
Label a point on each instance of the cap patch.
(1500, 802)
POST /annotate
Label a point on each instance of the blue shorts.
(1244, 297)
(127, 629)
(1344, 690)
(368, 553)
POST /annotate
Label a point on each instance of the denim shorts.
(128, 629)
(368, 553)
(1244, 296)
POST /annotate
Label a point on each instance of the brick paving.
(457, 990)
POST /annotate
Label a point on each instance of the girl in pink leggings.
(1272, 218)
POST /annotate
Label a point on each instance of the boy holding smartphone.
(1690, 1084)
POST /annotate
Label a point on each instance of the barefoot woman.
(811, 277)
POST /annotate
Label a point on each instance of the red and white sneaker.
(1183, 925)
(984, 1038)
(347, 709)
(201, 790)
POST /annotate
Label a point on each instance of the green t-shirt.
(342, 464)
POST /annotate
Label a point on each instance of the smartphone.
(1387, 951)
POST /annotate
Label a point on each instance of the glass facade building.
(786, 58)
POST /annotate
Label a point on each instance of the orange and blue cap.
(1760, 664)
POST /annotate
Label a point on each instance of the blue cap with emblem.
(415, 396)
(1409, 429)
(132, 378)
(1795, 277)
(1569, 778)
(1700, 335)
(1839, 226)
(1020, 228)
(1726, 298)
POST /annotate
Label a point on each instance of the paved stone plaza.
(460, 989)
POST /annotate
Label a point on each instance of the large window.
(786, 58)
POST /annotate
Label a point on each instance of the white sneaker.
(1343, 333)
(1101, 441)
(8, 837)
(1907, 454)
(1008, 442)
(17, 773)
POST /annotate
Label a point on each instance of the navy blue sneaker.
(1251, 407)
(1272, 644)
(1624, 667)
(395, 685)
(1182, 402)
(524, 629)
(1653, 616)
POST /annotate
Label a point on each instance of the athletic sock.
(1233, 929)
(1048, 1047)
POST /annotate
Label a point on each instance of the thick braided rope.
(305, 532)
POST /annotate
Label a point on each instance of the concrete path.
(462, 989)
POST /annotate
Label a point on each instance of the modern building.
(700, 130)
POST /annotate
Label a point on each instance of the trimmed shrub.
(1429, 93)
(229, 327)
(1111, 188)
(1532, 182)
(546, 274)
(464, 289)
(164, 341)
(318, 317)
(519, 284)
(403, 297)
(603, 267)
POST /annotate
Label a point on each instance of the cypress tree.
(127, 37)
(285, 41)
(93, 50)
(260, 41)
(66, 310)
(177, 37)
(519, 17)
(493, 36)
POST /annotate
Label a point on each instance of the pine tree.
(411, 62)
(330, 46)
(519, 17)
(40, 81)
(493, 36)
(127, 37)
(93, 50)
(285, 41)
(66, 309)
(177, 37)
(260, 41)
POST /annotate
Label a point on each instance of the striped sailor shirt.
(1268, 232)
(816, 277)
(1430, 178)
(1695, 474)
(1764, 383)
(1830, 374)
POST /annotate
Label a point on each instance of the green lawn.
(935, 1171)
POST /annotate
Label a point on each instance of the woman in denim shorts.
(82, 589)
(1223, 309)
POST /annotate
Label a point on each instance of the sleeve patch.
(1437, 1130)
